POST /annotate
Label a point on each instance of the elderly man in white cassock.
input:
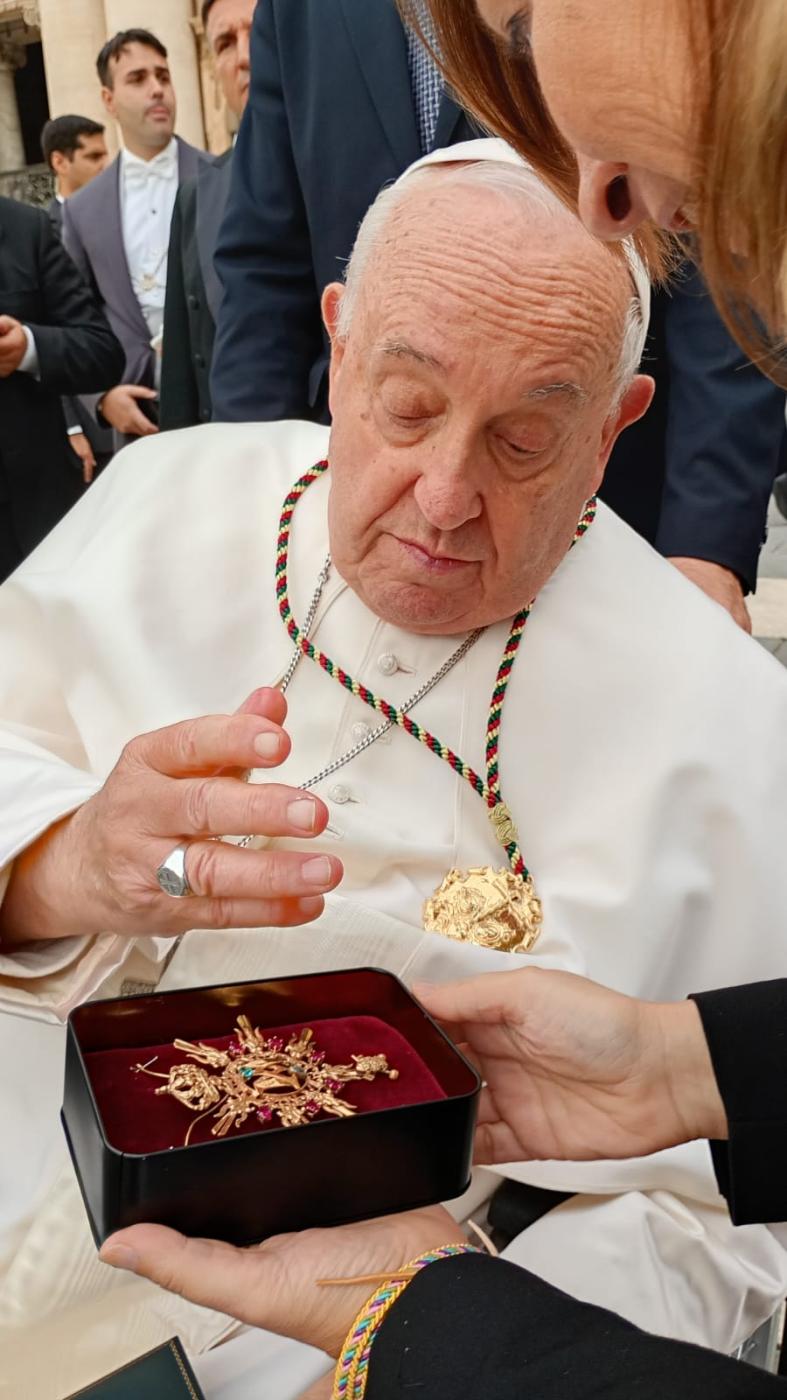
(461, 634)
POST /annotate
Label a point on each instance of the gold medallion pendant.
(493, 908)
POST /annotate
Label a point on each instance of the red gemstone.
(265, 1114)
(333, 1085)
(312, 1107)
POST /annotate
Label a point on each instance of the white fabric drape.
(642, 755)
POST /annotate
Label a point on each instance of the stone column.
(12, 150)
(72, 35)
(172, 23)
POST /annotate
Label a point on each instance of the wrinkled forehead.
(474, 268)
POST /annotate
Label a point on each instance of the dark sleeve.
(269, 332)
(77, 351)
(746, 1030)
(179, 406)
(724, 439)
(71, 414)
(476, 1326)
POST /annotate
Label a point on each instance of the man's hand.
(96, 870)
(720, 584)
(121, 409)
(81, 445)
(575, 1072)
(13, 345)
(274, 1285)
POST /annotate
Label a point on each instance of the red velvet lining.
(138, 1120)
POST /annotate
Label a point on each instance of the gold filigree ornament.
(263, 1076)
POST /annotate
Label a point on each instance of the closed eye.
(519, 30)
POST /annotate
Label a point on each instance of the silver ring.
(172, 876)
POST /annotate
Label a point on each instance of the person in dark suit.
(342, 101)
(75, 150)
(117, 228)
(571, 1070)
(332, 117)
(53, 340)
(193, 288)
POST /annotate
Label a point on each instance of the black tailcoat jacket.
(40, 475)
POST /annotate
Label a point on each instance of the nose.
(609, 205)
(447, 495)
(244, 49)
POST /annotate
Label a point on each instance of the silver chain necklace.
(380, 729)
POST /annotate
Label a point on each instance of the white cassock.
(642, 753)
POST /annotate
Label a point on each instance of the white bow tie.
(162, 167)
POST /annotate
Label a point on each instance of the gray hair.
(513, 182)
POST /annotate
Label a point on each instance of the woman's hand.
(274, 1285)
(96, 870)
(575, 1072)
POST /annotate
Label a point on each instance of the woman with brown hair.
(672, 112)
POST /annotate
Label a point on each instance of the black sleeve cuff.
(746, 1031)
(472, 1326)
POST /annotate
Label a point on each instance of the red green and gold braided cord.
(489, 790)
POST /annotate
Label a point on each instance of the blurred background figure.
(193, 288)
(75, 150)
(117, 228)
(54, 340)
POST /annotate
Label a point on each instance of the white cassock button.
(360, 731)
(339, 793)
(388, 664)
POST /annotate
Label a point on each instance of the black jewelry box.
(265, 1179)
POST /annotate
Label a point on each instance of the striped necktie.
(425, 79)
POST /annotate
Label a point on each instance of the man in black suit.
(75, 150)
(117, 228)
(193, 289)
(333, 116)
(53, 341)
(342, 100)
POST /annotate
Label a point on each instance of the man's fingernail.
(267, 744)
(120, 1257)
(303, 814)
(317, 871)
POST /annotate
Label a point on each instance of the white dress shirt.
(148, 190)
(642, 756)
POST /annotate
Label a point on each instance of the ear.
(108, 99)
(331, 302)
(634, 405)
(60, 162)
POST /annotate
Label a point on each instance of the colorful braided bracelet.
(352, 1370)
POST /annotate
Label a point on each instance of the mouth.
(433, 563)
(159, 112)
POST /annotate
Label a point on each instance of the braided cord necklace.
(498, 909)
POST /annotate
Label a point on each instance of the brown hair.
(742, 185)
(742, 179)
(117, 45)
